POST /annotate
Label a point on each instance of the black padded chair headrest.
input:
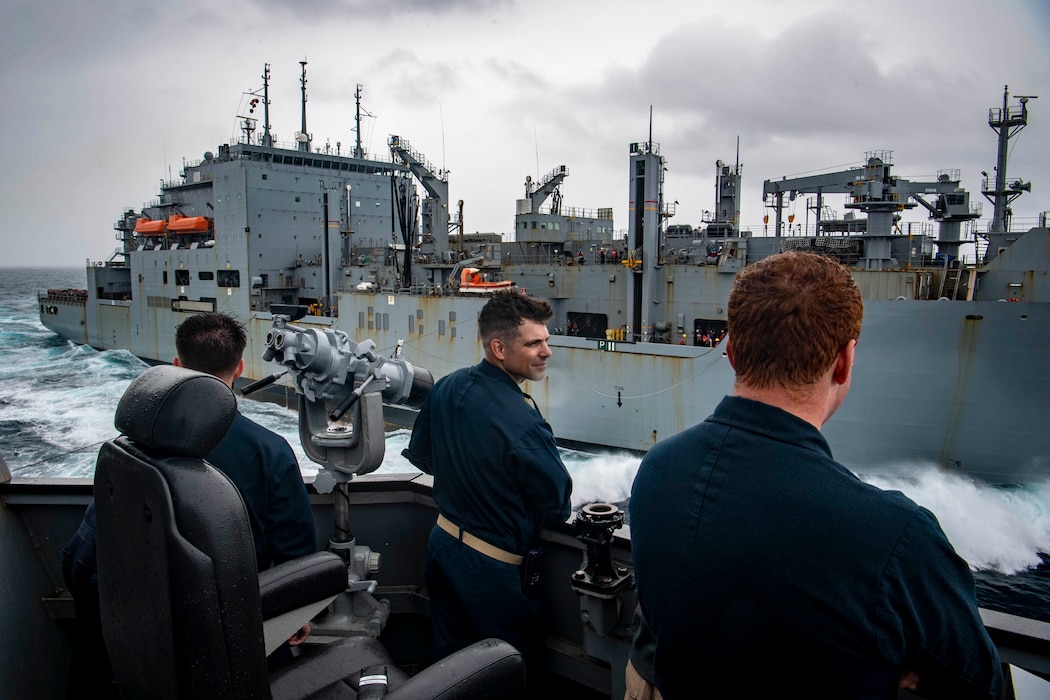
(176, 410)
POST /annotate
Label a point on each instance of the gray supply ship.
(953, 366)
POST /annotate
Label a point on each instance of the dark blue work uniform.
(767, 569)
(497, 475)
(262, 466)
(90, 672)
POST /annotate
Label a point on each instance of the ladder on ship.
(950, 278)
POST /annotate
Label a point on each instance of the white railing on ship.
(326, 150)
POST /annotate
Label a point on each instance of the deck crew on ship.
(793, 566)
(497, 477)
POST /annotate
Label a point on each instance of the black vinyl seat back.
(178, 585)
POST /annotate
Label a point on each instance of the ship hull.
(959, 384)
(64, 314)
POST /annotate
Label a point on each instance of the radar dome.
(208, 155)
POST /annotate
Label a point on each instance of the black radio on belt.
(530, 572)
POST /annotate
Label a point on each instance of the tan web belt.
(478, 544)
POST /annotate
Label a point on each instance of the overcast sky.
(101, 101)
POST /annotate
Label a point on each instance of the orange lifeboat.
(470, 281)
(149, 226)
(188, 224)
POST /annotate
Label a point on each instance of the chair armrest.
(490, 668)
(293, 584)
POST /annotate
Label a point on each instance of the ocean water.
(57, 401)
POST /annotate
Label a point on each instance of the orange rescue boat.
(470, 281)
(188, 224)
(149, 226)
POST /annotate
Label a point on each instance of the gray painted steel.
(953, 364)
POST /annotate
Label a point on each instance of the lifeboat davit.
(188, 224)
(149, 226)
(470, 281)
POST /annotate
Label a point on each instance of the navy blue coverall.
(766, 569)
(497, 475)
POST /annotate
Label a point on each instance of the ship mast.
(1006, 122)
(358, 151)
(303, 137)
(736, 190)
(267, 139)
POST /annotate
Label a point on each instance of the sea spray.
(995, 528)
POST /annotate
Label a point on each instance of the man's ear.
(844, 363)
(729, 353)
(240, 369)
(176, 361)
(498, 349)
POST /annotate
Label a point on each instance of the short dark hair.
(503, 314)
(210, 342)
(789, 316)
